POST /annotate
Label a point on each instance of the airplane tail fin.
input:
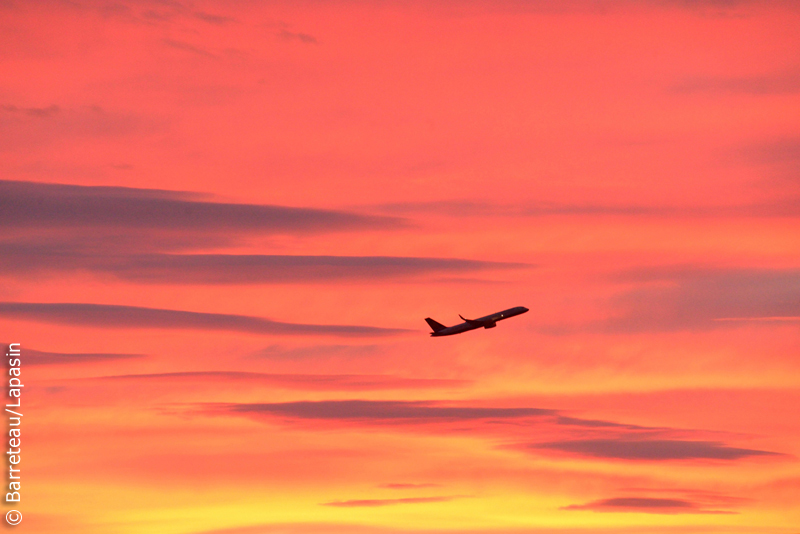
(434, 325)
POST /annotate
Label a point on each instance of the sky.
(223, 225)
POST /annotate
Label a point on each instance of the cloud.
(645, 505)
(405, 486)
(593, 423)
(508, 427)
(37, 128)
(58, 206)
(30, 258)
(113, 316)
(296, 36)
(211, 18)
(779, 207)
(308, 382)
(278, 352)
(781, 153)
(692, 298)
(49, 111)
(650, 449)
(37, 357)
(387, 502)
(186, 47)
(325, 528)
(353, 528)
(774, 84)
(726, 8)
(152, 15)
(91, 250)
(379, 411)
(687, 298)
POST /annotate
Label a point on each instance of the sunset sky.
(224, 223)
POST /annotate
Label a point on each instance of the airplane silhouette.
(490, 321)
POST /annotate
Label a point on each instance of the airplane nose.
(524, 309)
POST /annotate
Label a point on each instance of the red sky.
(223, 225)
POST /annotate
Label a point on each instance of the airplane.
(490, 321)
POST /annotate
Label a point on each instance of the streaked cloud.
(287, 35)
(397, 411)
(778, 207)
(690, 298)
(650, 449)
(594, 423)
(43, 112)
(775, 84)
(648, 505)
(595, 440)
(387, 502)
(408, 486)
(695, 298)
(29, 258)
(212, 18)
(115, 316)
(35, 128)
(35, 205)
(780, 152)
(187, 47)
(279, 352)
(38, 357)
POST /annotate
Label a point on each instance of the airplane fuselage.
(489, 321)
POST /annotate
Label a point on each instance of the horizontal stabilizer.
(436, 327)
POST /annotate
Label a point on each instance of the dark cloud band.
(380, 411)
(37, 357)
(35, 205)
(26, 258)
(112, 316)
(644, 449)
(647, 505)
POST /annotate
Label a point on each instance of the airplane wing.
(471, 322)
